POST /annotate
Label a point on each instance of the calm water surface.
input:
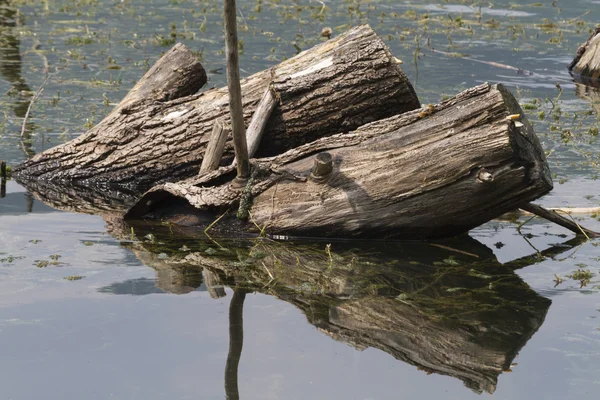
(151, 317)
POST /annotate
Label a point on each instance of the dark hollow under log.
(161, 129)
(434, 172)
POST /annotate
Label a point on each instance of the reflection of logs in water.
(452, 310)
(591, 94)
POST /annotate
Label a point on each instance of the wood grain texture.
(416, 175)
(159, 136)
(215, 148)
(586, 64)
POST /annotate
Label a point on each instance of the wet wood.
(3, 173)
(434, 172)
(215, 148)
(586, 64)
(160, 131)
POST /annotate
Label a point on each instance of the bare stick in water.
(553, 216)
(235, 94)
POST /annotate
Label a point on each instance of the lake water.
(90, 310)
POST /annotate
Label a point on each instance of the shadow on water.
(447, 307)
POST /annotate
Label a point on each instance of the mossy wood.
(437, 171)
(160, 131)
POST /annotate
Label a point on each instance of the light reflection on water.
(129, 331)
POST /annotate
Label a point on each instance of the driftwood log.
(437, 171)
(585, 67)
(447, 307)
(160, 131)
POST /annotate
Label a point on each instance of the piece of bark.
(334, 87)
(215, 147)
(259, 121)
(434, 172)
(586, 64)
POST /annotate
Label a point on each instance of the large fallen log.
(438, 171)
(447, 308)
(585, 67)
(160, 131)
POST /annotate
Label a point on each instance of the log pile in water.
(160, 131)
(346, 151)
(437, 171)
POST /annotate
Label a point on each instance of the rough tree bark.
(586, 64)
(438, 171)
(159, 131)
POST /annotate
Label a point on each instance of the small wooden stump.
(586, 65)
(322, 167)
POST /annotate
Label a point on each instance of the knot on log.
(322, 167)
(484, 176)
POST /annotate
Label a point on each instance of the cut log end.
(322, 167)
(585, 67)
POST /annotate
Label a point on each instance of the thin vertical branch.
(235, 92)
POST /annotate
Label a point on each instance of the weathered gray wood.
(586, 64)
(238, 129)
(259, 121)
(160, 136)
(322, 167)
(215, 148)
(415, 175)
